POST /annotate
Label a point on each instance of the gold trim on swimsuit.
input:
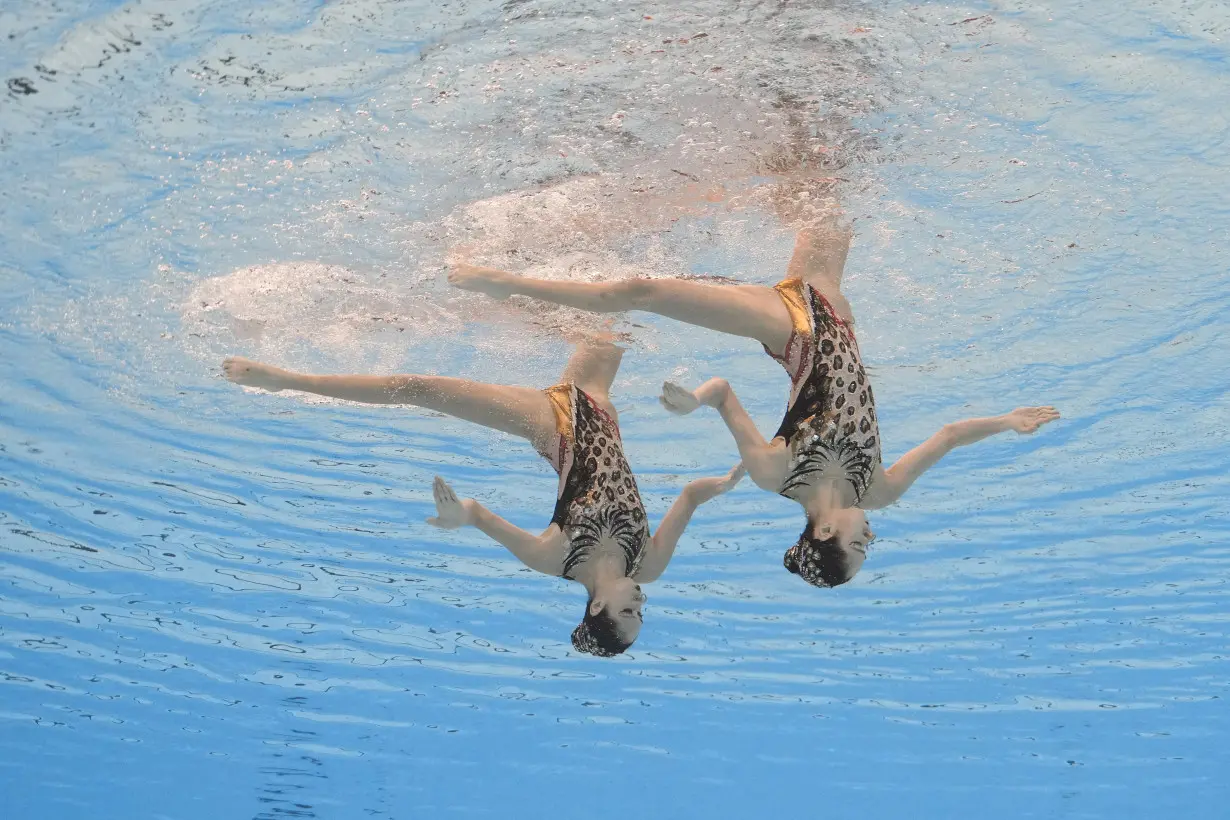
(560, 397)
(794, 295)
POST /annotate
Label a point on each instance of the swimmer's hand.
(681, 401)
(678, 400)
(451, 511)
(727, 482)
(494, 283)
(1027, 420)
(255, 374)
(706, 489)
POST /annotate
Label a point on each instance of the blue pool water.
(225, 604)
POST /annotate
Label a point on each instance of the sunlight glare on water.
(219, 603)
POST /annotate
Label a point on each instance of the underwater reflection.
(599, 535)
(825, 455)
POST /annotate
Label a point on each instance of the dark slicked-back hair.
(598, 635)
(820, 562)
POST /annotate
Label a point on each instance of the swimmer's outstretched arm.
(695, 493)
(766, 462)
(543, 553)
(889, 485)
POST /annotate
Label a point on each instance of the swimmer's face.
(622, 601)
(853, 534)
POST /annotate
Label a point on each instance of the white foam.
(310, 310)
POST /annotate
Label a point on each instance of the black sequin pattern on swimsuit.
(830, 423)
(600, 499)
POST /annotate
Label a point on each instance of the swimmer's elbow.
(766, 484)
(767, 467)
(765, 476)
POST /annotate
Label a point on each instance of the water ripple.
(241, 591)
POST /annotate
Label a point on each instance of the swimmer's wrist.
(700, 490)
(715, 393)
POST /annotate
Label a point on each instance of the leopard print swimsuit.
(597, 494)
(831, 418)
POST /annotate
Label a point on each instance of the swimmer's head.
(612, 619)
(831, 552)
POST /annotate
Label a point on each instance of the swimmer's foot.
(255, 374)
(551, 321)
(497, 284)
(596, 338)
(828, 226)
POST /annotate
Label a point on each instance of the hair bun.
(791, 559)
(584, 641)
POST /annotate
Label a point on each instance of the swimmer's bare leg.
(521, 411)
(752, 311)
(592, 368)
(820, 259)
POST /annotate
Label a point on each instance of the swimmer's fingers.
(732, 478)
(704, 489)
(1039, 416)
(450, 512)
(443, 493)
(1028, 419)
(677, 399)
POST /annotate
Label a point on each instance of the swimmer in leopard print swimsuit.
(826, 454)
(598, 535)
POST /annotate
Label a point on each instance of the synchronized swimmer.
(599, 534)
